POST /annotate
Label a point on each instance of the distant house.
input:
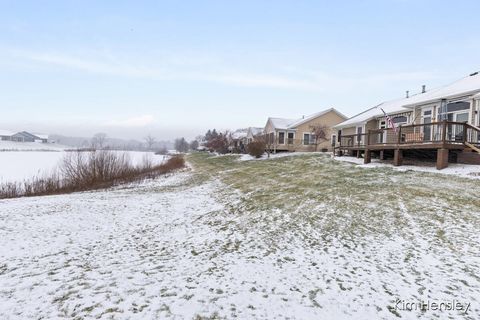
(238, 140)
(41, 137)
(252, 133)
(25, 136)
(299, 134)
(6, 135)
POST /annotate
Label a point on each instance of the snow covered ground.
(30, 146)
(21, 165)
(456, 169)
(302, 237)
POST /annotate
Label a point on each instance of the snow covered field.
(303, 237)
(21, 165)
(30, 146)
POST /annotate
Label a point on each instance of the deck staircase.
(471, 154)
(471, 147)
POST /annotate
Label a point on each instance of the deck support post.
(382, 155)
(358, 153)
(367, 157)
(442, 159)
(398, 157)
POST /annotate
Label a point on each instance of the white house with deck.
(444, 121)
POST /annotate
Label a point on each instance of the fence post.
(444, 132)
(465, 128)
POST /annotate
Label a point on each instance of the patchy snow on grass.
(247, 157)
(301, 237)
(456, 169)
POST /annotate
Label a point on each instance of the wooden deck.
(440, 136)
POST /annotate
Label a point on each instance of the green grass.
(340, 200)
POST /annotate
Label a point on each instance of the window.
(271, 138)
(400, 119)
(290, 137)
(452, 110)
(478, 113)
(462, 117)
(281, 138)
(359, 132)
(457, 106)
(334, 139)
(308, 139)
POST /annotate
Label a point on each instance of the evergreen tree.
(208, 135)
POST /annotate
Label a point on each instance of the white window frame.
(397, 124)
(303, 138)
(432, 120)
(478, 113)
(454, 113)
(359, 139)
(293, 139)
(310, 141)
(284, 137)
(422, 114)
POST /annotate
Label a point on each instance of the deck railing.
(353, 140)
(445, 132)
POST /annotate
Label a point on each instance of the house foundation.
(398, 157)
(442, 159)
(367, 157)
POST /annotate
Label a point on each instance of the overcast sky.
(171, 68)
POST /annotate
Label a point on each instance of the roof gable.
(315, 115)
(253, 131)
(281, 123)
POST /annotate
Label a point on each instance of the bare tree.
(150, 141)
(98, 140)
(269, 139)
(320, 132)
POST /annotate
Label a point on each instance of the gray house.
(25, 136)
(6, 135)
